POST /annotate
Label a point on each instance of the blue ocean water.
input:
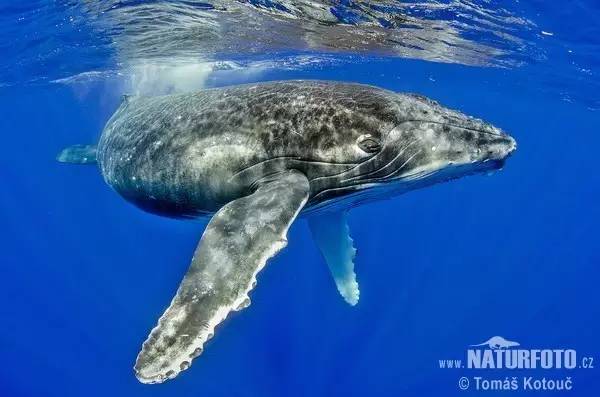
(85, 275)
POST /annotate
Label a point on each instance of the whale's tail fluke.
(78, 154)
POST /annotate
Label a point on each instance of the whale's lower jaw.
(353, 196)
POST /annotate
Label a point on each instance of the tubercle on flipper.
(240, 304)
(245, 303)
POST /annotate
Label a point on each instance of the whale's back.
(179, 155)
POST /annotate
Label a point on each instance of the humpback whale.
(254, 158)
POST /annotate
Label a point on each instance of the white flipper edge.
(331, 233)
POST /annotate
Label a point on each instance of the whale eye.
(368, 143)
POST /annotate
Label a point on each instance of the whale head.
(426, 143)
(432, 141)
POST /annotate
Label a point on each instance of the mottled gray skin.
(187, 155)
(257, 155)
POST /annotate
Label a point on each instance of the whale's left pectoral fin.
(331, 233)
(235, 246)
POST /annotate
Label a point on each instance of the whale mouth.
(490, 136)
(382, 185)
(486, 151)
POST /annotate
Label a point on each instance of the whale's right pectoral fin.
(331, 233)
(235, 246)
